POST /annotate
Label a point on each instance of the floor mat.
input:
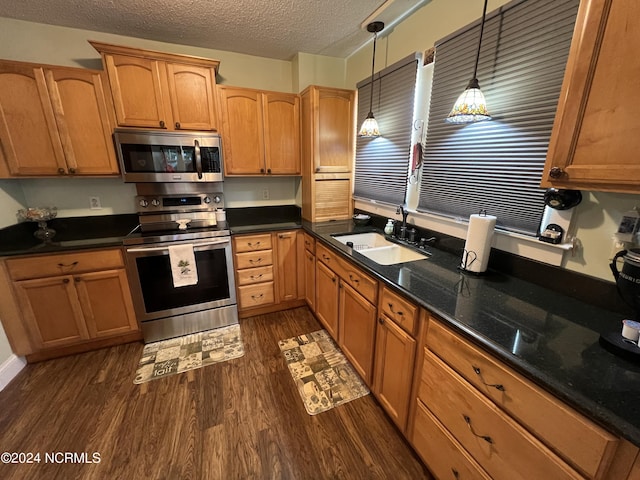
(324, 377)
(177, 355)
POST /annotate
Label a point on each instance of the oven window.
(159, 293)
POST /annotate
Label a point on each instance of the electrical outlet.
(265, 194)
(94, 203)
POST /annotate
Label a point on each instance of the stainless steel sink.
(377, 248)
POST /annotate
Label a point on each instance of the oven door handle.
(166, 248)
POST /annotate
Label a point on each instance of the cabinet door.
(310, 279)
(242, 131)
(594, 142)
(356, 331)
(135, 87)
(281, 133)
(192, 95)
(29, 136)
(287, 255)
(327, 299)
(106, 303)
(395, 352)
(82, 114)
(51, 308)
(335, 131)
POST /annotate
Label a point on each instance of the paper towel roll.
(478, 245)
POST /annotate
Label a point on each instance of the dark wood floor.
(235, 420)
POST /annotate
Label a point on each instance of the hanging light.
(471, 106)
(369, 127)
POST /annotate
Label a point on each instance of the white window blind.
(382, 164)
(497, 165)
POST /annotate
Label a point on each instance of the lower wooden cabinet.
(70, 299)
(310, 280)
(327, 290)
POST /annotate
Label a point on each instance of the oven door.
(151, 282)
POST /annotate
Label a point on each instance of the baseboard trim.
(10, 368)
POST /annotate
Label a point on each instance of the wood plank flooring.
(242, 419)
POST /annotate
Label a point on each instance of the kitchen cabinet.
(594, 141)
(310, 271)
(328, 152)
(72, 298)
(261, 132)
(269, 276)
(346, 306)
(55, 121)
(161, 90)
(496, 421)
(394, 355)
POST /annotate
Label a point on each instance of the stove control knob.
(217, 199)
(143, 202)
(155, 202)
(207, 199)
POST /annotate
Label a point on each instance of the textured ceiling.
(267, 28)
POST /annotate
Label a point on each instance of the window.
(497, 165)
(382, 163)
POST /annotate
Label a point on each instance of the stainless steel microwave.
(151, 156)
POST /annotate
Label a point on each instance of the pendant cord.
(373, 63)
(475, 68)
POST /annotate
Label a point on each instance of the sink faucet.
(402, 209)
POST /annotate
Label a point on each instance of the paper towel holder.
(470, 256)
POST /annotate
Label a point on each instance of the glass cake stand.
(40, 215)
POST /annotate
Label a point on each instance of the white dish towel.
(183, 265)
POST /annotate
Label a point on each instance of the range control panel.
(179, 203)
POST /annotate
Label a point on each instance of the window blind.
(497, 165)
(382, 164)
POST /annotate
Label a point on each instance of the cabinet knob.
(162, 124)
(556, 172)
(61, 171)
(72, 170)
(317, 169)
(77, 279)
(178, 125)
(268, 170)
(262, 170)
(65, 280)
(381, 321)
(333, 279)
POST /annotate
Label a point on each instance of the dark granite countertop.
(547, 336)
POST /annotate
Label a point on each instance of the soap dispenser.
(388, 228)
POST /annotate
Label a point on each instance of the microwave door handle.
(198, 158)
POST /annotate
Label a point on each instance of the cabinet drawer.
(404, 313)
(329, 258)
(444, 456)
(544, 415)
(250, 243)
(254, 259)
(363, 284)
(255, 275)
(256, 295)
(501, 446)
(63, 264)
(309, 243)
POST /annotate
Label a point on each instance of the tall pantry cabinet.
(328, 146)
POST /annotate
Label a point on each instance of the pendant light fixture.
(471, 106)
(369, 127)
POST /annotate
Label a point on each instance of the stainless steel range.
(171, 215)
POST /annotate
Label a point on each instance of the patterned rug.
(324, 377)
(177, 355)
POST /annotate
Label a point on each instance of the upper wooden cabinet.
(594, 142)
(161, 90)
(261, 132)
(55, 121)
(328, 146)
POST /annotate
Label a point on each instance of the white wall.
(595, 220)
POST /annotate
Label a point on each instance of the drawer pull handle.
(497, 386)
(486, 438)
(307, 243)
(354, 279)
(325, 258)
(394, 312)
(67, 265)
(253, 245)
(65, 280)
(253, 277)
(456, 475)
(258, 260)
(257, 297)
